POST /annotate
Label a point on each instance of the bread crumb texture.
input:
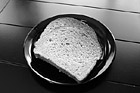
(70, 44)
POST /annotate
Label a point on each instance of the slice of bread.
(71, 45)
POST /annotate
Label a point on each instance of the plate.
(46, 71)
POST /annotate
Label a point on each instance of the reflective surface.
(28, 13)
(132, 5)
(126, 66)
(19, 16)
(11, 43)
(45, 70)
(3, 4)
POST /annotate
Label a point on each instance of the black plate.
(48, 72)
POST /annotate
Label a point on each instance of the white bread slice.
(71, 45)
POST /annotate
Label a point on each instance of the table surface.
(17, 17)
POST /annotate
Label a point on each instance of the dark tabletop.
(122, 17)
